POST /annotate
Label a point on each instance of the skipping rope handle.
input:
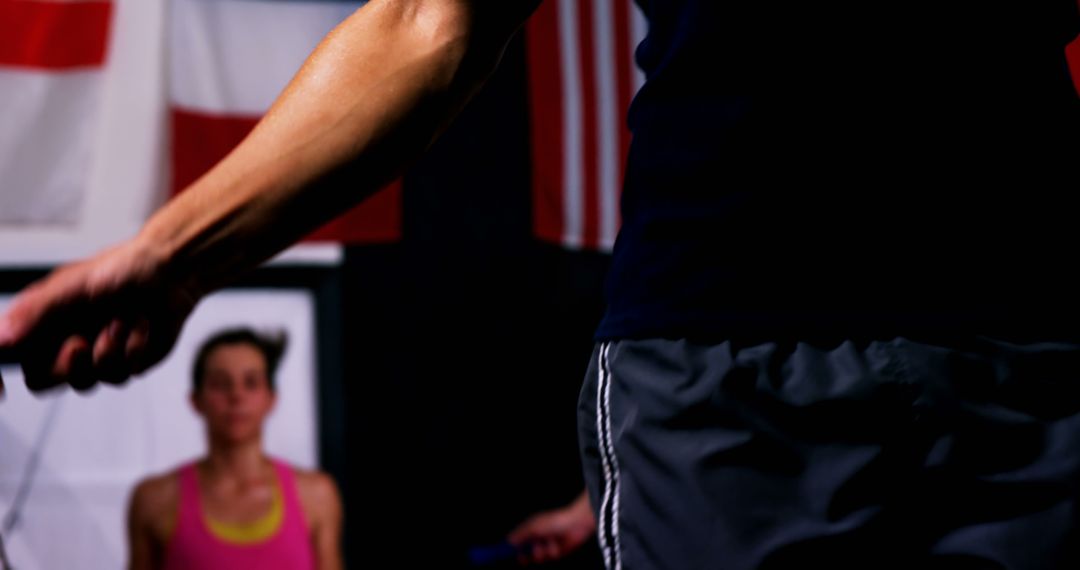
(496, 554)
(7, 357)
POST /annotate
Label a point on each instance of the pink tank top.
(194, 547)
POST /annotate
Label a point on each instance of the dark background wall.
(465, 347)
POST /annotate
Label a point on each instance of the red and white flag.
(582, 78)
(52, 56)
(1072, 55)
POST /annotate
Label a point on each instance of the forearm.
(326, 538)
(369, 100)
(330, 560)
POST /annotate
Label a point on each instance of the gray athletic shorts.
(890, 454)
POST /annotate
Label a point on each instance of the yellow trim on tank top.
(250, 533)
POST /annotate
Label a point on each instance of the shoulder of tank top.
(156, 501)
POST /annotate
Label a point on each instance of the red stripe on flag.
(591, 130)
(54, 35)
(546, 114)
(376, 220)
(624, 67)
(200, 140)
(1072, 55)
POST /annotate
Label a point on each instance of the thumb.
(21, 317)
(5, 358)
(518, 536)
(14, 326)
(525, 532)
(27, 312)
(7, 337)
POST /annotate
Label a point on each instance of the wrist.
(161, 251)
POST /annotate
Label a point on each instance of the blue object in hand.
(489, 555)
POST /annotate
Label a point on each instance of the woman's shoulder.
(313, 482)
(317, 491)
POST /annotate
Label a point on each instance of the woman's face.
(235, 396)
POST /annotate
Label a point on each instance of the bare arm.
(369, 99)
(150, 512)
(321, 501)
(141, 548)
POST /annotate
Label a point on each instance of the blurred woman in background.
(237, 507)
